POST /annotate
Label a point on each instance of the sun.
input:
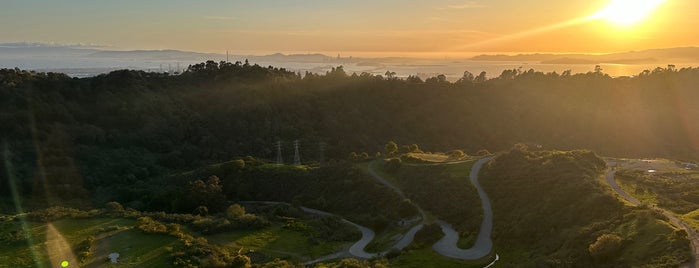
(627, 12)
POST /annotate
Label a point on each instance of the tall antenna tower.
(227, 56)
(279, 153)
(297, 156)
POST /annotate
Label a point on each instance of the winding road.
(356, 249)
(691, 233)
(447, 246)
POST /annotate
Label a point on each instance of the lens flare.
(627, 12)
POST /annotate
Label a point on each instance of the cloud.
(219, 18)
(52, 44)
(466, 5)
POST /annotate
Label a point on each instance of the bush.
(392, 165)
(235, 211)
(57, 213)
(606, 246)
(114, 208)
(150, 226)
(407, 209)
(231, 167)
(84, 249)
(483, 152)
(428, 235)
(456, 154)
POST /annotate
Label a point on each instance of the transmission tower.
(279, 153)
(322, 153)
(297, 156)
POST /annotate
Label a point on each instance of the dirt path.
(691, 233)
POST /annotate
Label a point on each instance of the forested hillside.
(553, 210)
(128, 127)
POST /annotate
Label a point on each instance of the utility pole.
(279, 153)
(297, 156)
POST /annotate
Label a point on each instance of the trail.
(691, 233)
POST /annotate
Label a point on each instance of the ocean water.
(424, 68)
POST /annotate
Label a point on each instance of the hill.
(668, 55)
(74, 138)
(552, 209)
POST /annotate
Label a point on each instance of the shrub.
(483, 152)
(428, 235)
(235, 211)
(392, 165)
(456, 154)
(150, 226)
(606, 246)
(114, 208)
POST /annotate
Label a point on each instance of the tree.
(606, 246)
(437, 79)
(235, 211)
(481, 78)
(413, 79)
(456, 154)
(598, 69)
(114, 207)
(207, 193)
(407, 209)
(201, 211)
(414, 148)
(509, 74)
(466, 78)
(391, 148)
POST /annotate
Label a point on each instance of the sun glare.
(627, 12)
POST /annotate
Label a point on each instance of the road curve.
(447, 246)
(691, 233)
(356, 250)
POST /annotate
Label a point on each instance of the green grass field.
(277, 242)
(136, 249)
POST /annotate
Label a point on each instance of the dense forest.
(69, 138)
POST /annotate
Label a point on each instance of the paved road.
(356, 250)
(691, 233)
(447, 246)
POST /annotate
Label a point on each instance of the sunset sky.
(361, 27)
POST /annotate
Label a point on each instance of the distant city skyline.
(358, 28)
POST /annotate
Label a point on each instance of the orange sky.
(360, 27)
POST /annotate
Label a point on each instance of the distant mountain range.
(666, 55)
(20, 50)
